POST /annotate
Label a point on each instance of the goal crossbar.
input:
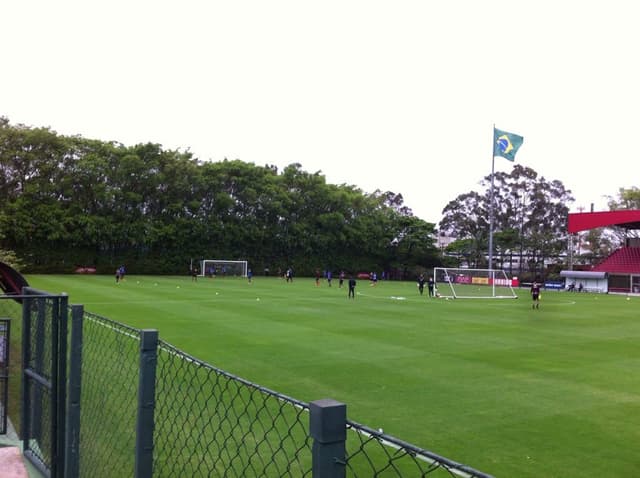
(222, 268)
(460, 283)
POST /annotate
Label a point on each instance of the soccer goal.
(223, 268)
(455, 283)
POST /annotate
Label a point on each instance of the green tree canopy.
(71, 201)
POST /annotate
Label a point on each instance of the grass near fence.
(493, 384)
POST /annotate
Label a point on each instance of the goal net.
(222, 268)
(458, 283)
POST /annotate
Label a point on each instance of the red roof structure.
(582, 221)
(623, 261)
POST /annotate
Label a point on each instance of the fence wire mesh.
(11, 311)
(5, 336)
(373, 453)
(38, 359)
(210, 423)
(109, 398)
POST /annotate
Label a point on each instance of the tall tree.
(526, 205)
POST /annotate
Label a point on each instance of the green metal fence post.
(25, 389)
(146, 403)
(37, 404)
(59, 382)
(328, 428)
(72, 445)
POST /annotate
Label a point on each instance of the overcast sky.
(395, 95)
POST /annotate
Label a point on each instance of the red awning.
(582, 221)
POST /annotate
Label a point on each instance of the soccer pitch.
(493, 384)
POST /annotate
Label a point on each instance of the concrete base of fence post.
(328, 428)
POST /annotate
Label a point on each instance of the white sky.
(398, 95)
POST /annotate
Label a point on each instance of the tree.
(530, 219)
(628, 198)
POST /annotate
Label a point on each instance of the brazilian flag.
(506, 144)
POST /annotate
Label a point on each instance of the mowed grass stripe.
(506, 389)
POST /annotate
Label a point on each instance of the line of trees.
(69, 201)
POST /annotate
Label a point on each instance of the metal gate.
(44, 359)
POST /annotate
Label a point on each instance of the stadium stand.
(625, 260)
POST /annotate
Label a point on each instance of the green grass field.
(493, 384)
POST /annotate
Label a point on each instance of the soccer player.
(535, 294)
(374, 279)
(431, 286)
(352, 288)
(421, 281)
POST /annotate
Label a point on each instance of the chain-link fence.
(373, 453)
(5, 336)
(147, 409)
(211, 423)
(108, 410)
(208, 422)
(10, 314)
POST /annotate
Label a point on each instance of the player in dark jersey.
(352, 288)
(421, 281)
(535, 295)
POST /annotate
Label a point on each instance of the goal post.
(223, 268)
(459, 283)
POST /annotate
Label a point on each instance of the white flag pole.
(493, 160)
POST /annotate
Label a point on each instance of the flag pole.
(493, 160)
